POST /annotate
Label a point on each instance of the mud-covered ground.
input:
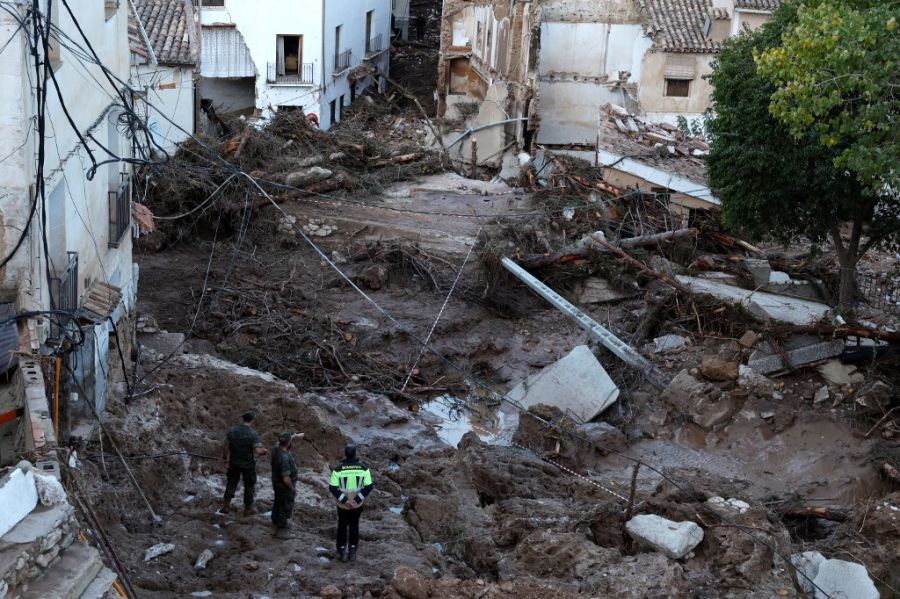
(524, 512)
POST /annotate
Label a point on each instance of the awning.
(100, 301)
(225, 54)
(681, 67)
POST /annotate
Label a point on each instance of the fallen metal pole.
(622, 350)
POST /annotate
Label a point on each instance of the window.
(333, 106)
(352, 92)
(213, 3)
(337, 39)
(678, 88)
(289, 54)
(369, 16)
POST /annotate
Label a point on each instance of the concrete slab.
(69, 577)
(39, 523)
(18, 496)
(576, 384)
(764, 360)
(761, 304)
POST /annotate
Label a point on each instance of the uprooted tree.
(777, 180)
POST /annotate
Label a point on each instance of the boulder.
(673, 539)
(684, 392)
(409, 584)
(807, 565)
(330, 592)
(668, 344)
(751, 380)
(837, 578)
(715, 368)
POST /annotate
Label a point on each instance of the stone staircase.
(41, 557)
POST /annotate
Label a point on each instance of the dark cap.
(285, 436)
(248, 415)
(350, 452)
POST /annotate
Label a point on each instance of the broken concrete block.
(731, 504)
(822, 394)
(776, 277)
(307, 176)
(673, 539)
(748, 339)
(807, 565)
(840, 374)
(752, 381)
(711, 414)
(598, 291)
(759, 303)
(684, 391)
(715, 368)
(765, 360)
(668, 344)
(760, 270)
(837, 578)
(203, 559)
(157, 550)
(576, 384)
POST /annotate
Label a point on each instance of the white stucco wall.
(79, 212)
(165, 103)
(18, 496)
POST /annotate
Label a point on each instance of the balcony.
(374, 46)
(119, 212)
(342, 62)
(304, 76)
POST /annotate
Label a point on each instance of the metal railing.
(880, 292)
(64, 289)
(303, 77)
(342, 61)
(119, 212)
(374, 45)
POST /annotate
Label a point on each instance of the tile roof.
(169, 28)
(768, 5)
(677, 25)
(662, 146)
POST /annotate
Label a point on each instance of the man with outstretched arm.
(351, 483)
(240, 450)
(284, 477)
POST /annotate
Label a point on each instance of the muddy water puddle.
(817, 459)
(452, 421)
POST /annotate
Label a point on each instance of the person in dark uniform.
(284, 476)
(351, 483)
(242, 446)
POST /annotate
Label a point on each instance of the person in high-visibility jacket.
(351, 483)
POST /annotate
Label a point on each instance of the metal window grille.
(64, 289)
(374, 45)
(342, 61)
(880, 292)
(119, 212)
(304, 77)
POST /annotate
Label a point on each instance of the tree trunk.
(848, 256)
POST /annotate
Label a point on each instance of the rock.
(748, 339)
(822, 394)
(799, 352)
(409, 584)
(732, 504)
(776, 277)
(575, 383)
(877, 396)
(603, 434)
(673, 539)
(715, 368)
(252, 565)
(309, 161)
(759, 270)
(598, 291)
(203, 559)
(840, 374)
(684, 392)
(711, 414)
(754, 382)
(157, 550)
(330, 592)
(374, 277)
(668, 344)
(837, 578)
(807, 565)
(307, 176)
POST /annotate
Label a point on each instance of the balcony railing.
(374, 45)
(64, 289)
(341, 62)
(304, 77)
(119, 212)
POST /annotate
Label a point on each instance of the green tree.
(837, 72)
(773, 182)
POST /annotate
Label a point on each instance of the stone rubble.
(673, 539)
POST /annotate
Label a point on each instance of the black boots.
(344, 555)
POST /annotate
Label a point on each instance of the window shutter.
(681, 67)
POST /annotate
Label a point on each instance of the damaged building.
(517, 75)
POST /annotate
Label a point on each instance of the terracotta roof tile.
(769, 5)
(169, 28)
(677, 25)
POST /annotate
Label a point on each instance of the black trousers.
(283, 506)
(234, 475)
(348, 521)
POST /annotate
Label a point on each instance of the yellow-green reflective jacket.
(351, 480)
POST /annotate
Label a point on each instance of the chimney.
(717, 24)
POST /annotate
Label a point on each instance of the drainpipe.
(321, 108)
(470, 131)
